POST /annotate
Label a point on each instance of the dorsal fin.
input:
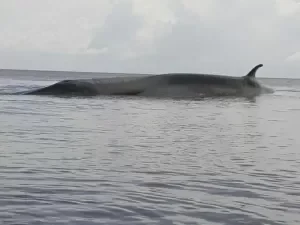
(253, 71)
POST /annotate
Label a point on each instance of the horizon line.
(127, 73)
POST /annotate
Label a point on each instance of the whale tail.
(252, 72)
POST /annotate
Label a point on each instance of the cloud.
(288, 7)
(50, 26)
(294, 58)
(119, 30)
(158, 36)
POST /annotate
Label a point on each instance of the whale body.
(170, 84)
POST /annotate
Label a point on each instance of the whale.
(162, 85)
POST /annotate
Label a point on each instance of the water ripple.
(139, 161)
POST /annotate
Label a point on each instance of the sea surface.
(130, 160)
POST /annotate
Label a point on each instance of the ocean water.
(117, 160)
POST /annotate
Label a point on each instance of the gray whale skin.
(170, 84)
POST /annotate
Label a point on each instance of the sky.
(158, 36)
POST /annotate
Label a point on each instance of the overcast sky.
(152, 36)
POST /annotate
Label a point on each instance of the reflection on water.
(149, 161)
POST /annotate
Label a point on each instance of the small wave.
(14, 86)
(287, 89)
